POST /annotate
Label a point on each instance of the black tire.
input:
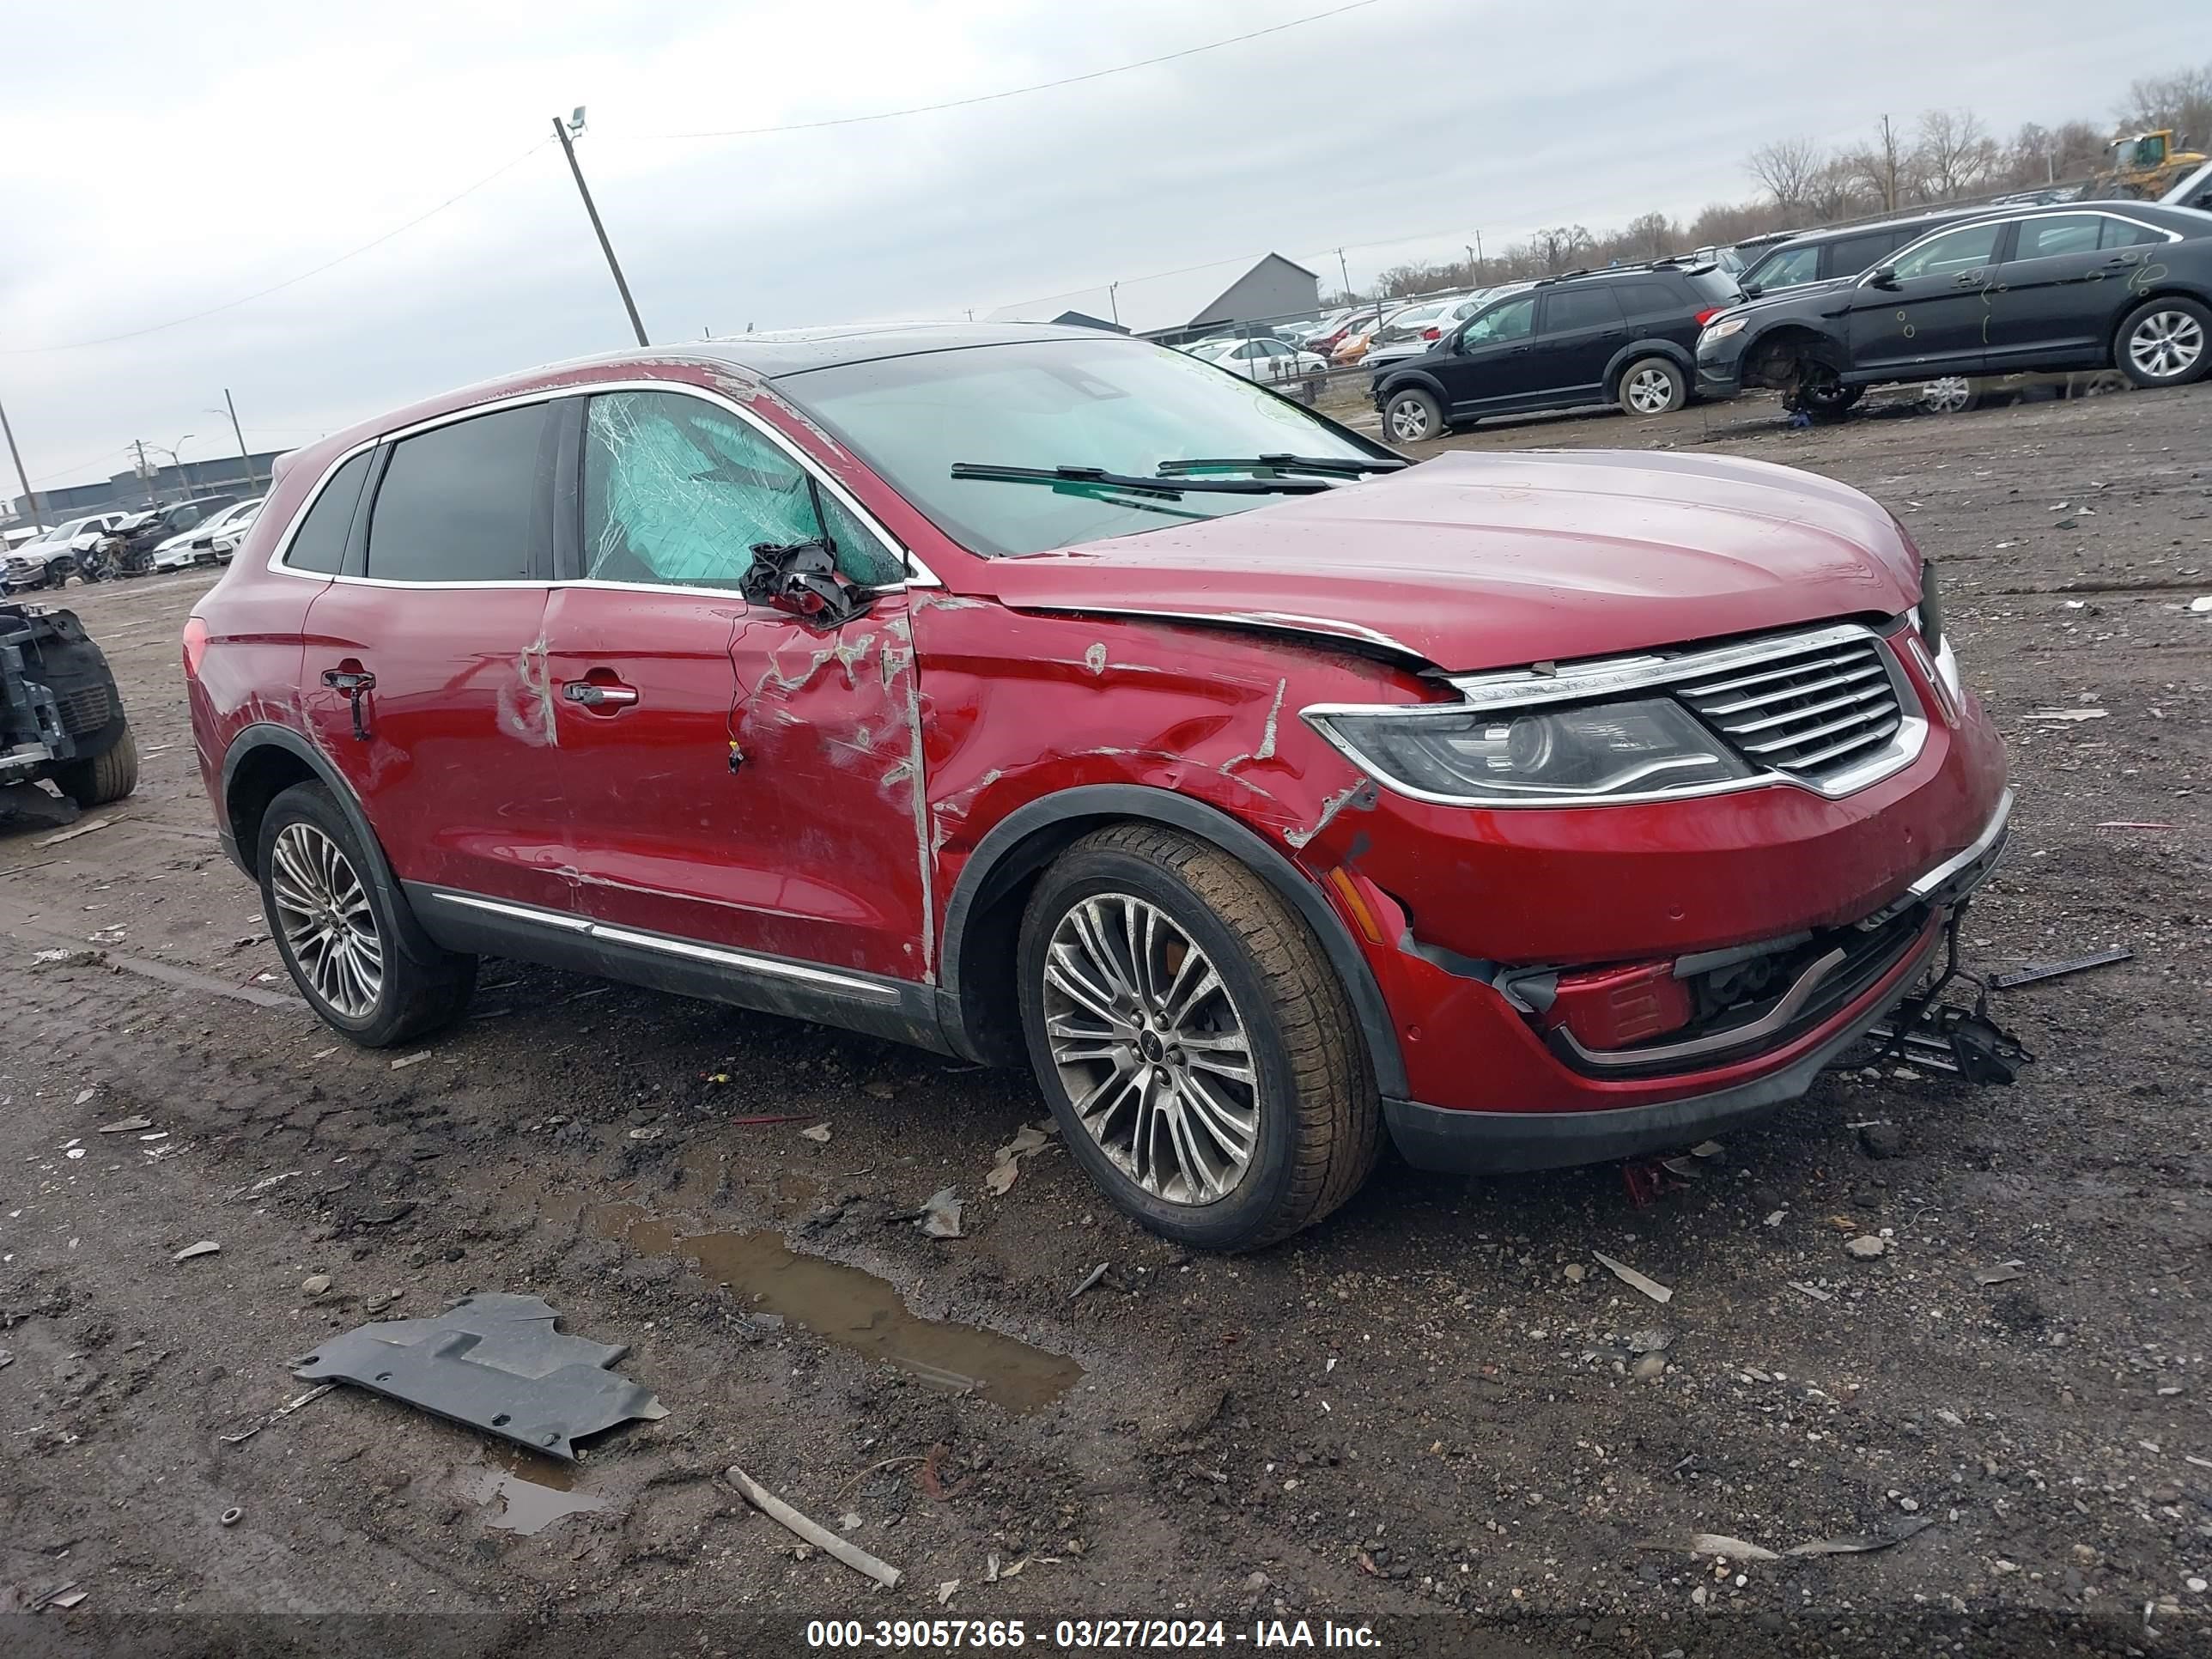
(1413, 415)
(2191, 323)
(104, 778)
(1646, 371)
(1318, 1121)
(413, 995)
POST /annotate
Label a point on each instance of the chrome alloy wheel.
(1151, 1049)
(2166, 343)
(1947, 396)
(1409, 422)
(1649, 391)
(324, 911)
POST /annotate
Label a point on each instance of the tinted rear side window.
(1857, 253)
(1580, 307)
(2123, 234)
(464, 503)
(319, 543)
(1651, 297)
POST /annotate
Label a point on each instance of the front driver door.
(1931, 315)
(1491, 365)
(736, 779)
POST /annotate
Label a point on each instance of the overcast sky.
(156, 160)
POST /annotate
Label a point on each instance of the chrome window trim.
(746, 961)
(918, 574)
(1608, 678)
(2092, 210)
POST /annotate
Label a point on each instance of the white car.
(211, 542)
(1270, 362)
(47, 560)
(1418, 330)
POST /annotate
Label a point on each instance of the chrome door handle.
(593, 695)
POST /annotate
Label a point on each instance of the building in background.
(126, 491)
(1185, 304)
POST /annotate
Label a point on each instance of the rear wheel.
(1412, 416)
(1653, 385)
(336, 930)
(2163, 342)
(104, 778)
(1194, 1043)
(1954, 394)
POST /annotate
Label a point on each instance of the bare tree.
(1785, 169)
(2182, 102)
(1836, 192)
(1557, 245)
(1883, 167)
(1649, 236)
(1955, 155)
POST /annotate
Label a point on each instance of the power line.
(1021, 92)
(262, 293)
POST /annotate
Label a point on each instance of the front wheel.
(1653, 385)
(335, 928)
(1197, 1047)
(2162, 342)
(1413, 415)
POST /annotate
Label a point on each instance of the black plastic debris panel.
(495, 1363)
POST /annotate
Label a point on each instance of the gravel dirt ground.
(1437, 1414)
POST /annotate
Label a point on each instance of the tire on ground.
(2189, 326)
(1412, 415)
(415, 995)
(1642, 370)
(1318, 1127)
(104, 778)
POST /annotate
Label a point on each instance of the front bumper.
(1500, 1142)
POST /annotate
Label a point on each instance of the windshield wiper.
(1099, 478)
(1327, 466)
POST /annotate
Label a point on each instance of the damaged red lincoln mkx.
(1034, 693)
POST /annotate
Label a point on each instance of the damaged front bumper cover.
(1913, 1023)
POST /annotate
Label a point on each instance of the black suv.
(1624, 334)
(1825, 256)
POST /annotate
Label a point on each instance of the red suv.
(1024, 692)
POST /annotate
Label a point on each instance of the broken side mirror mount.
(801, 578)
(1882, 276)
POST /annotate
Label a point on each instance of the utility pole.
(252, 478)
(562, 130)
(144, 476)
(1478, 261)
(30, 495)
(1345, 270)
(1113, 302)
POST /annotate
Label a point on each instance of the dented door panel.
(453, 770)
(810, 845)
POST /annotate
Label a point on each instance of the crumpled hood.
(1492, 560)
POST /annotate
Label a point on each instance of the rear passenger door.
(1579, 330)
(743, 788)
(423, 674)
(2066, 280)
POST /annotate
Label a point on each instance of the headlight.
(1723, 329)
(1494, 757)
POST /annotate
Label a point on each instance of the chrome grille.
(1811, 712)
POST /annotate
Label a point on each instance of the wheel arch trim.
(1629, 355)
(267, 734)
(1018, 845)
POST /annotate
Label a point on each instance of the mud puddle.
(842, 1305)
(527, 1493)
